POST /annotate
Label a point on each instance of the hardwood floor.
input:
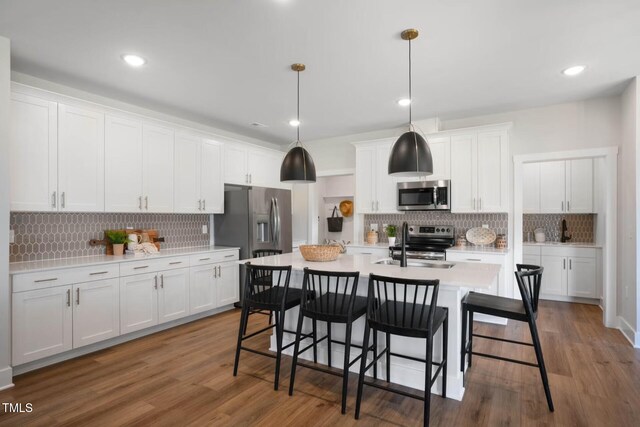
(183, 376)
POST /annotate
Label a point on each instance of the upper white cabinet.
(440, 147)
(479, 171)
(375, 189)
(33, 154)
(246, 165)
(562, 186)
(157, 168)
(198, 175)
(236, 166)
(80, 159)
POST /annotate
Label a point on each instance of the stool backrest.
(262, 277)
(341, 285)
(416, 299)
(259, 253)
(529, 278)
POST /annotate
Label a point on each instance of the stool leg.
(296, 349)
(427, 379)
(375, 354)
(315, 341)
(445, 347)
(543, 369)
(329, 342)
(279, 336)
(345, 370)
(463, 347)
(243, 325)
(470, 337)
(388, 357)
(363, 365)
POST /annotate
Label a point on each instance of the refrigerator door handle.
(272, 220)
(277, 222)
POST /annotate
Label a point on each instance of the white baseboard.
(628, 332)
(6, 378)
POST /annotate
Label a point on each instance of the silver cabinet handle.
(162, 281)
(155, 282)
(564, 264)
(215, 272)
(63, 200)
(204, 204)
(568, 206)
(229, 256)
(250, 178)
(480, 204)
(146, 202)
(199, 204)
(562, 206)
(570, 264)
(175, 263)
(77, 296)
(204, 259)
(141, 267)
(246, 178)
(53, 279)
(53, 200)
(97, 273)
(474, 259)
(140, 202)
(219, 271)
(474, 203)
(68, 297)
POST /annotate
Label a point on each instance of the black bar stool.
(260, 253)
(404, 307)
(529, 278)
(276, 297)
(335, 302)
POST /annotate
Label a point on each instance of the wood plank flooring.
(183, 376)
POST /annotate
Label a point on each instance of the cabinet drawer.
(139, 267)
(213, 257)
(49, 279)
(173, 263)
(568, 251)
(531, 250)
(474, 257)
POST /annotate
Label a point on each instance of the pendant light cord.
(410, 96)
(298, 118)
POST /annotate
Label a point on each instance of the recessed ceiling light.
(404, 102)
(134, 60)
(573, 71)
(295, 123)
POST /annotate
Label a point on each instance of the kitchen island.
(455, 282)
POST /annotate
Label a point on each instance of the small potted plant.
(117, 239)
(391, 234)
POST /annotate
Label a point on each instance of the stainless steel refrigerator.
(254, 218)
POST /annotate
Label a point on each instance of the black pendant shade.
(297, 167)
(410, 156)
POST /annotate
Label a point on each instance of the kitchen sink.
(416, 263)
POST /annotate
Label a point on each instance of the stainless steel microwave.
(424, 196)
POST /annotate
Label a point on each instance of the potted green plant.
(391, 234)
(117, 239)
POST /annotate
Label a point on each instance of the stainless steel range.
(426, 242)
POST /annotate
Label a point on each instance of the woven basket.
(320, 253)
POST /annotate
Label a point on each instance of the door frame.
(610, 199)
(312, 206)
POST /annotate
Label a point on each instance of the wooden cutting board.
(153, 236)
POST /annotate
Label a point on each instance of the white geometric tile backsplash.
(46, 235)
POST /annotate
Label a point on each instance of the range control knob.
(437, 230)
(448, 230)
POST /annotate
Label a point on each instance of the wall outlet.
(205, 229)
(485, 225)
(384, 228)
(374, 227)
(12, 236)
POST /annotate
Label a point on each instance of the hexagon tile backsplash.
(46, 235)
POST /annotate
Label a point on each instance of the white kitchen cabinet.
(33, 154)
(173, 295)
(531, 188)
(565, 186)
(376, 191)
(386, 185)
(554, 277)
(187, 174)
(479, 172)
(42, 324)
(263, 169)
(441, 154)
(579, 186)
(227, 283)
(157, 168)
(552, 187)
(236, 166)
(80, 159)
(581, 278)
(378, 251)
(202, 289)
(569, 272)
(96, 311)
(246, 165)
(123, 164)
(138, 302)
(500, 287)
(211, 177)
(365, 180)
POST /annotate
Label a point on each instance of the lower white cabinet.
(554, 276)
(227, 285)
(581, 279)
(42, 324)
(500, 287)
(202, 289)
(381, 251)
(173, 294)
(96, 311)
(138, 302)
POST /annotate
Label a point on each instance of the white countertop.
(462, 274)
(53, 264)
(479, 250)
(560, 244)
(369, 245)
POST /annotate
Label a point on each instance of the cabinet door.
(263, 168)
(464, 173)
(80, 159)
(386, 196)
(173, 298)
(138, 302)
(493, 170)
(365, 180)
(157, 168)
(554, 278)
(531, 187)
(579, 174)
(123, 164)
(42, 323)
(582, 278)
(440, 153)
(211, 180)
(187, 174)
(33, 154)
(227, 284)
(552, 187)
(96, 312)
(202, 289)
(235, 165)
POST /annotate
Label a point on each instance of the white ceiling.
(226, 62)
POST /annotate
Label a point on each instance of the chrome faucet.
(403, 247)
(563, 237)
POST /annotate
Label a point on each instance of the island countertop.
(462, 274)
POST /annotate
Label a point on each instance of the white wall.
(5, 331)
(300, 212)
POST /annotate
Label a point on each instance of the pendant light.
(410, 155)
(297, 166)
